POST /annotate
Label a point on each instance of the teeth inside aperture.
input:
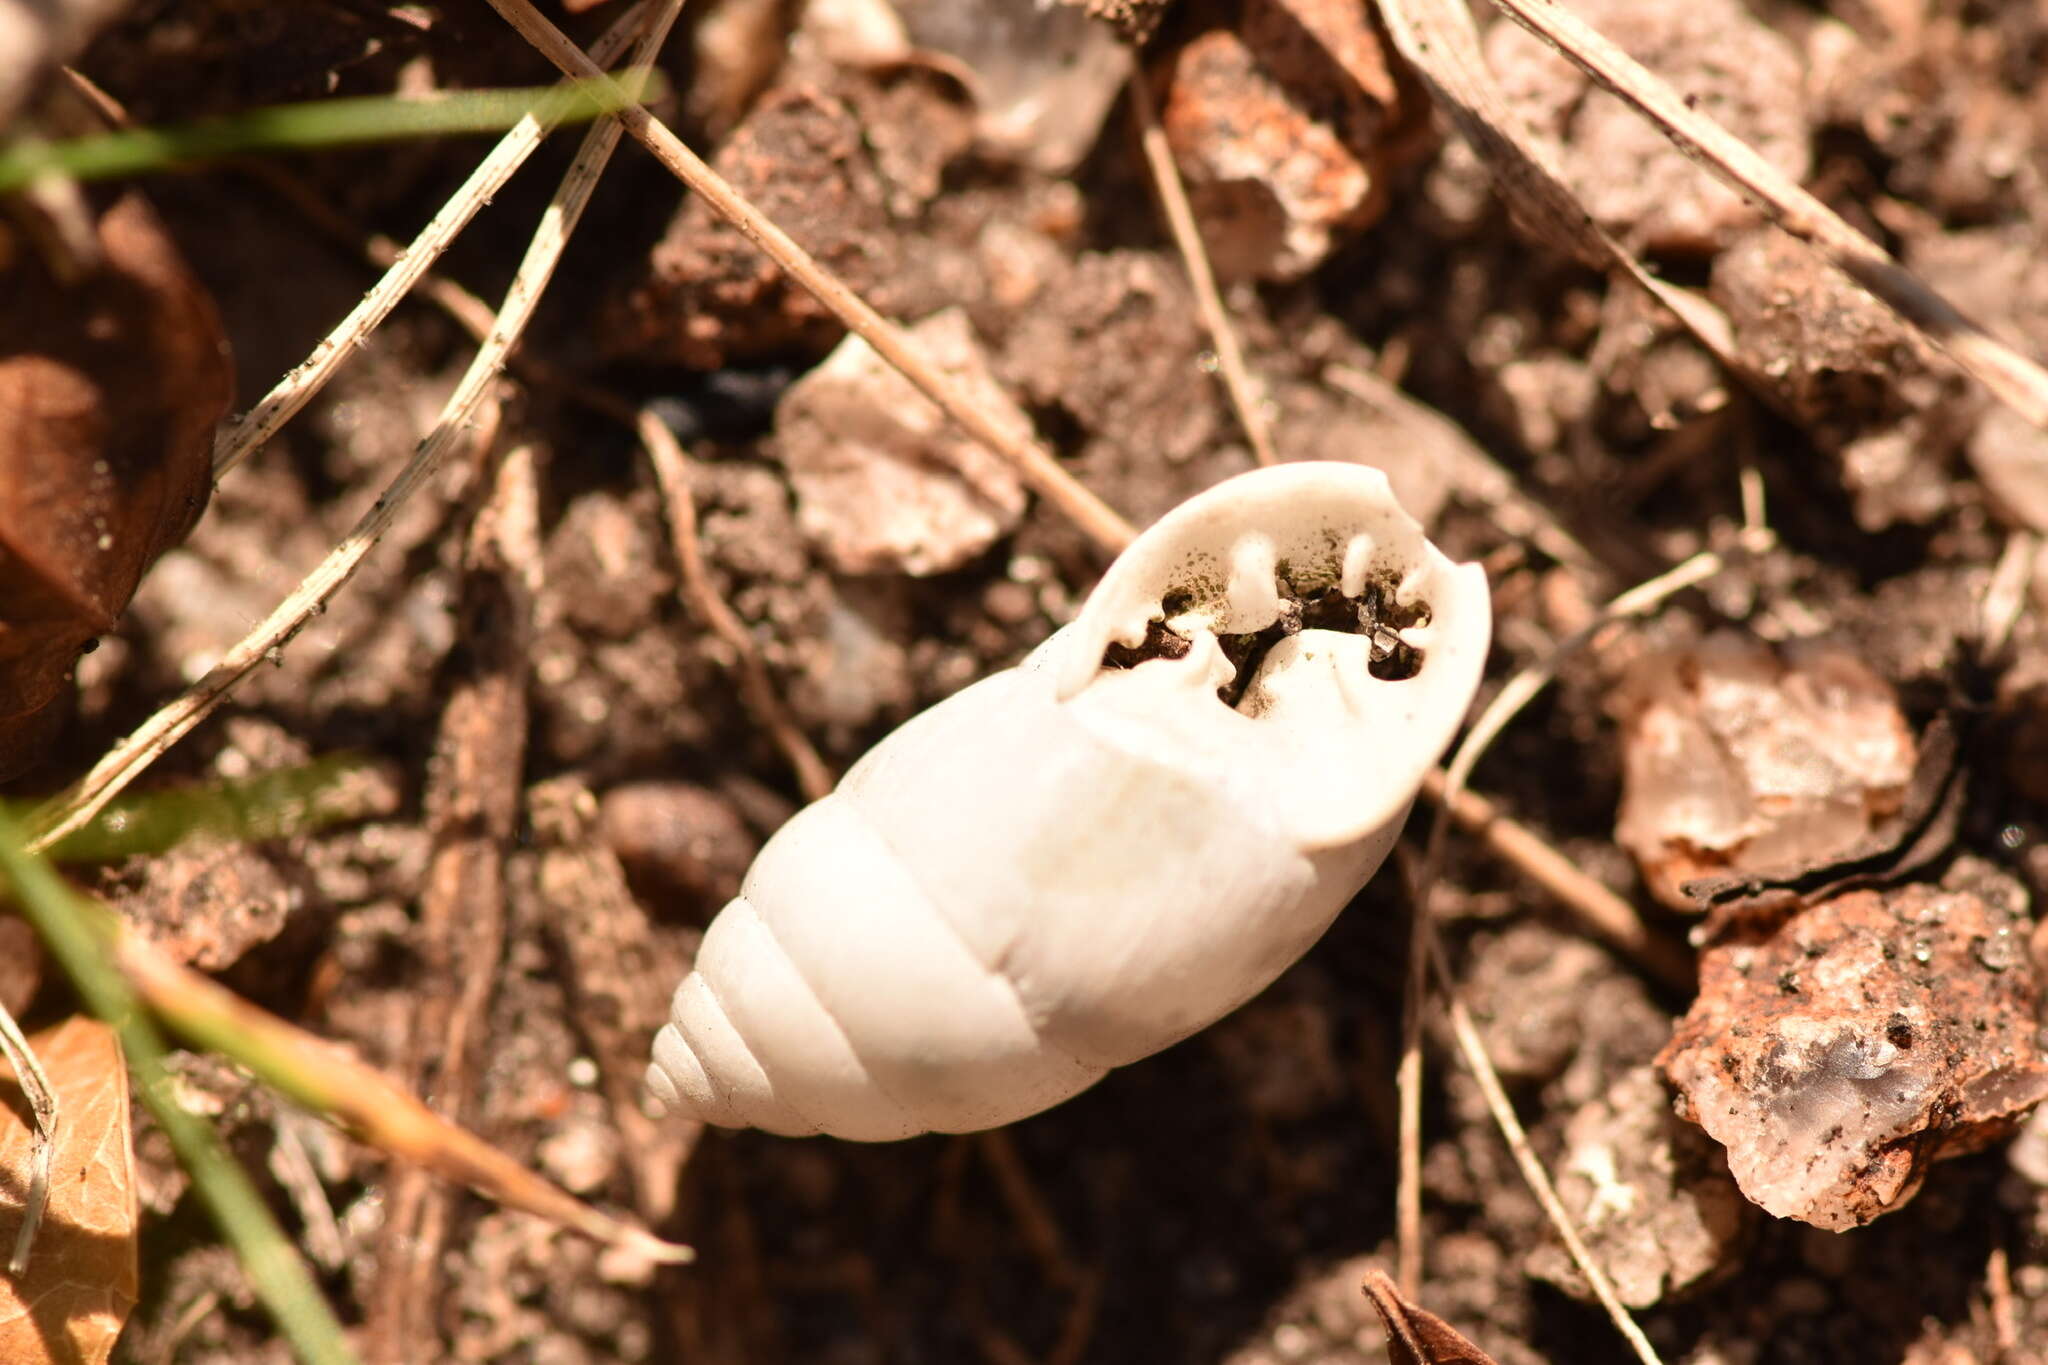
(1410, 590)
(1254, 593)
(1357, 560)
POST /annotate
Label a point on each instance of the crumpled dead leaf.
(1416, 1336)
(110, 389)
(82, 1281)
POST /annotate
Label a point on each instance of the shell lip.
(1334, 749)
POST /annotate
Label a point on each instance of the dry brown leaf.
(109, 392)
(69, 1308)
(1416, 1336)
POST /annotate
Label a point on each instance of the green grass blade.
(319, 123)
(302, 799)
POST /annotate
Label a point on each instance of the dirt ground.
(1220, 1201)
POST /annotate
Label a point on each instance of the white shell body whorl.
(1081, 860)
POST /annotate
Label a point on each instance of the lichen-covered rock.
(1649, 1193)
(1738, 760)
(1865, 1038)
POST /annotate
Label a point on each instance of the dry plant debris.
(69, 1308)
(1416, 1336)
(1870, 1036)
(35, 38)
(710, 298)
(1740, 761)
(1848, 371)
(110, 385)
(1043, 77)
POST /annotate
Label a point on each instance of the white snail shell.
(1078, 861)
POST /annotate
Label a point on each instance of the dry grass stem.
(1531, 1166)
(1508, 703)
(2005, 1329)
(1523, 688)
(2005, 596)
(1035, 1221)
(1036, 465)
(1180, 218)
(1408, 1096)
(72, 808)
(757, 689)
(463, 308)
(1595, 906)
(239, 438)
(2015, 379)
(363, 1100)
(42, 1105)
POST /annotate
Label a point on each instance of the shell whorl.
(1084, 859)
(763, 1032)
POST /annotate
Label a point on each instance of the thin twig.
(2005, 1331)
(1523, 688)
(77, 804)
(42, 1105)
(1408, 1096)
(238, 438)
(617, 975)
(1475, 475)
(465, 309)
(1180, 217)
(1596, 907)
(672, 471)
(1036, 1225)
(2005, 596)
(2015, 379)
(1036, 465)
(73, 808)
